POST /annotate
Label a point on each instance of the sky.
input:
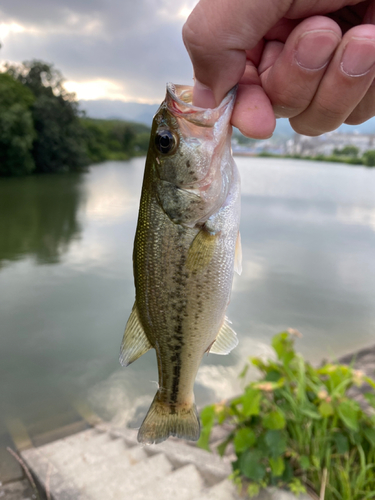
(105, 49)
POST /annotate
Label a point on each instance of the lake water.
(66, 285)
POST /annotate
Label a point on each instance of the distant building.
(326, 143)
(256, 147)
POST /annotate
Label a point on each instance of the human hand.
(310, 61)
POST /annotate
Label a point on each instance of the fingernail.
(203, 96)
(315, 48)
(358, 57)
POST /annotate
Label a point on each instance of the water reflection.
(38, 217)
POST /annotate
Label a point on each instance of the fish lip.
(201, 116)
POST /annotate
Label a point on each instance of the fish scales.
(184, 256)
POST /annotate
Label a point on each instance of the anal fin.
(225, 341)
(134, 343)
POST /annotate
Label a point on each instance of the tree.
(369, 158)
(17, 131)
(349, 150)
(60, 141)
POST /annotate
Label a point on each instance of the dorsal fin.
(226, 339)
(134, 343)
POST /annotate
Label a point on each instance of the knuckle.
(332, 110)
(302, 127)
(364, 111)
(188, 34)
(295, 98)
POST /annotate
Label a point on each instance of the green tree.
(368, 158)
(115, 139)
(17, 131)
(349, 150)
(60, 144)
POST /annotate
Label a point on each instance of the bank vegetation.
(42, 129)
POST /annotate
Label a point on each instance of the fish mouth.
(179, 102)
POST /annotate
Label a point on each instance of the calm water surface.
(66, 285)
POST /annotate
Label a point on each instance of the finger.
(291, 78)
(365, 109)
(253, 114)
(217, 34)
(344, 84)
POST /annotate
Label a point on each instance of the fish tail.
(164, 420)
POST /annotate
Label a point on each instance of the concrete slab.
(49, 477)
(225, 490)
(122, 482)
(183, 484)
(212, 467)
(17, 490)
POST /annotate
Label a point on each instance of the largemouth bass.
(185, 251)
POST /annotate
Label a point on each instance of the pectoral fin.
(226, 340)
(135, 343)
(238, 255)
(201, 250)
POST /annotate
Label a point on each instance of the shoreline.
(347, 160)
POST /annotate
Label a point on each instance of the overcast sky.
(117, 49)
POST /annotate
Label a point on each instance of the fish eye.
(165, 141)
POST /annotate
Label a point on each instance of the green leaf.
(223, 446)
(370, 381)
(277, 466)
(284, 347)
(370, 396)
(250, 465)
(326, 409)
(348, 412)
(304, 462)
(276, 441)
(244, 439)
(251, 402)
(274, 420)
(208, 416)
(262, 446)
(258, 362)
(208, 419)
(273, 376)
(370, 436)
(296, 486)
(204, 439)
(341, 442)
(244, 372)
(253, 490)
(288, 472)
(311, 412)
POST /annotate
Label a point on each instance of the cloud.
(136, 47)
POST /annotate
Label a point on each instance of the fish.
(186, 248)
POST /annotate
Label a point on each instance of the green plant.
(298, 428)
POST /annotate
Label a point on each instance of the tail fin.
(163, 421)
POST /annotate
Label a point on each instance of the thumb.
(217, 34)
